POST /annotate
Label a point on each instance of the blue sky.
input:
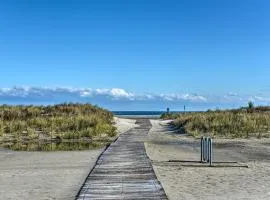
(143, 54)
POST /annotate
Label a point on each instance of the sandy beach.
(189, 182)
(48, 175)
(59, 174)
(123, 124)
(44, 175)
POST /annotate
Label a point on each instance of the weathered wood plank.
(124, 170)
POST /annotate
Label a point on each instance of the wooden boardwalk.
(124, 170)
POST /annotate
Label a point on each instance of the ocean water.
(138, 114)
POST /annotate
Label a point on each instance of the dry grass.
(240, 123)
(62, 121)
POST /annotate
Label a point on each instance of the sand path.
(190, 183)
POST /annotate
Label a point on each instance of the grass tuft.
(62, 121)
(239, 123)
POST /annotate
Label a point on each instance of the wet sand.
(47, 175)
(192, 182)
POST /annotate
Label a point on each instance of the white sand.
(44, 175)
(48, 175)
(185, 182)
(123, 124)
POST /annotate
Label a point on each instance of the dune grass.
(238, 123)
(63, 121)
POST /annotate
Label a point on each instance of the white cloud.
(149, 96)
(15, 91)
(102, 91)
(118, 94)
(260, 98)
(194, 97)
(86, 93)
(183, 97)
(114, 93)
(233, 96)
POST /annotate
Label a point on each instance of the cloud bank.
(80, 93)
(118, 98)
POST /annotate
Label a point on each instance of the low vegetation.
(63, 121)
(239, 123)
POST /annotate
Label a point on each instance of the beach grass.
(62, 121)
(238, 123)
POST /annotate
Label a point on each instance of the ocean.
(139, 114)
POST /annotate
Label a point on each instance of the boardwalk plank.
(124, 170)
